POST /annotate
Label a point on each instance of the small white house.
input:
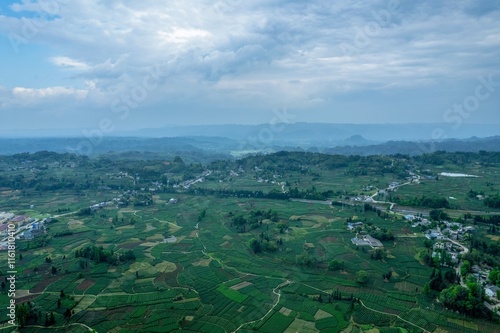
(491, 291)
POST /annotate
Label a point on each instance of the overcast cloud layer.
(131, 64)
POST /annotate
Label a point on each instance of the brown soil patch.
(320, 314)
(182, 246)
(169, 279)
(226, 245)
(25, 299)
(202, 262)
(330, 239)
(129, 246)
(45, 283)
(85, 284)
(285, 311)
(241, 285)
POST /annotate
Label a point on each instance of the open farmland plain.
(259, 244)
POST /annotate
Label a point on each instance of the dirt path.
(287, 282)
(394, 315)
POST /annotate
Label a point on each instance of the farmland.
(131, 246)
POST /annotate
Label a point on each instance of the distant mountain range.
(311, 134)
(321, 134)
(205, 148)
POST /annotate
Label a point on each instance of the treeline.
(423, 201)
(492, 202)
(286, 161)
(253, 219)
(458, 158)
(493, 219)
(30, 314)
(264, 244)
(467, 300)
(310, 194)
(98, 254)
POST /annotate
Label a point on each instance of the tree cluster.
(98, 254)
(465, 300)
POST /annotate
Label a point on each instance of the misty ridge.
(210, 142)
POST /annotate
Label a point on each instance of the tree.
(427, 288)
(54, 270)
(254, 245)
(305, 259)
(438, 215)
(361, 277)
(494, 276)
(335, 265)
(450, 276)
(465, 268)
(67, 313)
(427, 243)
(462, 299)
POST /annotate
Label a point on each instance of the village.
(25, 227)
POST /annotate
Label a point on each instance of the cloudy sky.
(132, 64)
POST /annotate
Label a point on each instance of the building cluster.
(25, 227)
(447, 248)
(452, 230)
(351, 226)
(367, 240)
(200, 179)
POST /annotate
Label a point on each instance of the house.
(3, 229)
(26, 234)
(367, 240)
(19, 219)
(374, 243)
(352, 226)
(491, 291)
(439, 246)
(434, 234)
(172, 201)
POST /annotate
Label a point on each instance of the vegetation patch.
(232, 294)
(166, 267)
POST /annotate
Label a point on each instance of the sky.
(120, 65)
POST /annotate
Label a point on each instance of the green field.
(189, 266)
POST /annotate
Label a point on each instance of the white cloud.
(31, 95)
(233, 50)
(69, 63)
